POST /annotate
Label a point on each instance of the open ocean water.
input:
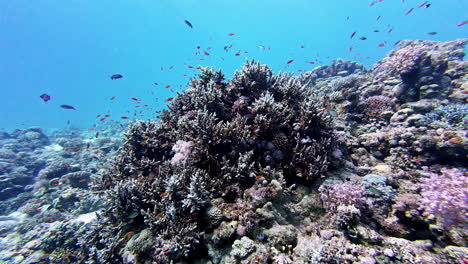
(341, 138)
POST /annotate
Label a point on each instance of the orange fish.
(129, 234)
(97, 134)
(168, 86)
(409, 11)
(462, 23)
(289, 61)
(381, 45)
(102, 119)
(135, 99)
(169, 99)
(231, 34)
(77, 149)
(124, 117)
(238, 53)
(423, 4)
(311, 62)
(464, 92)
(163, 194)
(206, 53)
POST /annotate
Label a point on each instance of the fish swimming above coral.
(68, 107)
(45, 97)
(188, 23)
(116, 76)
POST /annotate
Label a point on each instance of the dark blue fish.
(45, 97)
(68, 107)
(188, 23)
(116, 76)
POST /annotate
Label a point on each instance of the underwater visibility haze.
(216, 131)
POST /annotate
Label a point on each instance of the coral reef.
(216, 140)
(337, 165)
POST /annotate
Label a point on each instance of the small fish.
(68, 107)
(87, 145)
(377, 18)
(188, 23)
(350, 49)
(77, 149)
(456, 140)
(389, 30)
(169, 99)
(375, 31)
(113, 97)
(97, 134)
(231, 34)
(311, 62)
(45, 97)
(190, 67)
(372, 3)
(423, 4)
(352, 34)
(462, 23)
(432, 33)
(381, 45)
(302, 46)
(156, 83)
(128, 234)
(206, 53)
(428, 5)
(163, 194)
(347, 18)
(124, 117)
(464, 92)
(172, 67)
(396, 42)
(375, 190)
(238, 53)
(362, 38)
(116, 76)
(409, 11)
(135, 99)
(289, 61)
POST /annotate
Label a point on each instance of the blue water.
(69, 49)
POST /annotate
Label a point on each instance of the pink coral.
(446, 198)
(182, 151)
(334, 195)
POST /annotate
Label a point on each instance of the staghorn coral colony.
(341, 164)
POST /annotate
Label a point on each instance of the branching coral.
(446, 198)
(226, 134)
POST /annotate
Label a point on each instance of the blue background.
(69, 49)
